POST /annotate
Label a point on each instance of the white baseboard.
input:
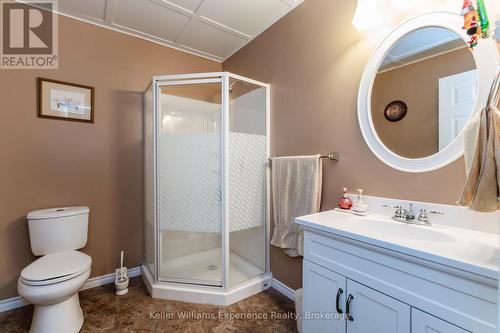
(108, 278)
(284, 289)
(17, 302)
(12, 303)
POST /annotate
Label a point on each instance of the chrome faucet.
(408, 215)
(403, 215)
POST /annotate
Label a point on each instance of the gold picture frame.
(65, 101)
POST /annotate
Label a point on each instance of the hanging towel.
(296, 191)
(482, 156)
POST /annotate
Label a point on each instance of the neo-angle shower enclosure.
(206, 187)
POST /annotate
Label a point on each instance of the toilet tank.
(58, 229)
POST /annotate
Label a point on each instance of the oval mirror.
(420, 88)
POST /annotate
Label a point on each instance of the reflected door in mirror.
(457, 97)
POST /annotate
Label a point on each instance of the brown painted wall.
(313, 58)
(417, 84)
(46, 163)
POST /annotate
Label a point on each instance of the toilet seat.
(57, 267)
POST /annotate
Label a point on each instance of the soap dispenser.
(360, 205)
(345, 202)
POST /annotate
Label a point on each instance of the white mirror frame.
(487, 59)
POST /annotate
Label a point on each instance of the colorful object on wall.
(471, 24)
(476, 21)
(483, 18)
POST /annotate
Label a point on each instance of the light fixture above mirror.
(366, 15)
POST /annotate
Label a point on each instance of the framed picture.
(65, 101)
(395, 111)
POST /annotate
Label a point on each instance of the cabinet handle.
(347, 308)
(337, 301)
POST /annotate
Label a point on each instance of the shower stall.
(206, 187)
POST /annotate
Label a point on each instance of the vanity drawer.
(458, 297)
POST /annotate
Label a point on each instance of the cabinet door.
(422, 322)
(371, 311)
(322, 288)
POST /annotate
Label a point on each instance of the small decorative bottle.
(360, 205)
(345, 202)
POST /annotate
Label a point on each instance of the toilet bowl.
(51, 283)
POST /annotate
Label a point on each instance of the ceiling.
(214, 29)
(420, 45)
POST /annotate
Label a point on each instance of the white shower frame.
(187, 291)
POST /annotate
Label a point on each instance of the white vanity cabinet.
(324, 299)
(328, 296)
(422, 322)
(371, 311)
(387, 291)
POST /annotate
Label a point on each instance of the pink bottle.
(345, 202)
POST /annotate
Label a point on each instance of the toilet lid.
(52, 213)
(56, 266)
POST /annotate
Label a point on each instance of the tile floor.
(137, 312)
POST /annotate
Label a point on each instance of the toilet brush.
(121, 278)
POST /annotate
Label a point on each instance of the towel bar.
(331, 156)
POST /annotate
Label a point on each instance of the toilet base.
(63, 317)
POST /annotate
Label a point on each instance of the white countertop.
(464, 249)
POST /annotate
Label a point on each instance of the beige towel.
(296, 184)
(482, 157)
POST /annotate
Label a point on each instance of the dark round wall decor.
(395, 111)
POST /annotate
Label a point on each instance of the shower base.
(207, 266)
(245, 279)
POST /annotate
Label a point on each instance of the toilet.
(51, 283)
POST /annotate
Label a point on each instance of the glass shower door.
(248, 167)
(189, 181)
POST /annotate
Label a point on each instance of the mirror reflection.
(424, 92)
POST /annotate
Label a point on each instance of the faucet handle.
(423, 216)
(400, 212)
(436, 212)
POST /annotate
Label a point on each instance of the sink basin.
(382, 226)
